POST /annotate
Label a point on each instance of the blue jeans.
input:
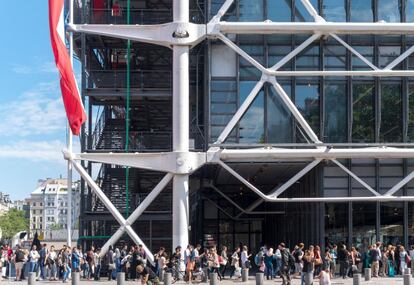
(67, 272)
(269, 271)
(278, 266)
(42, 269)
(32, 267)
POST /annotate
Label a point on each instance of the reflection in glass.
(334, 10)
(308, 59)
(388, 54)
(251, 11)
(335, 112)
(251, 125)
(391, 113)
(279, 10)
(363, 224)
(389, 11)
(301, 14)
(307, 101)
(365, 51)
(363, 113)
(335, 57)
(409, 11)
(279, 120)
(361, 11)
(336, 223)
(392, 223)
(410, 134)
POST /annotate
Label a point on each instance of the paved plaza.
(336, 281)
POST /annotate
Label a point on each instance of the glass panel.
(409, 11)
(391, 113)
(388, 54)
(309, 59)
(252, 122)
(279, 120)
(335, 112)
(389, 10)
(367, 52)
(251, 11)
(301, 14)
(411, 112)
(410, 223)
(279, 11)
(335, 58)
(363, 113)
(361, 11)
(307, 101)
(364, 223)
(392, 221)
(336, 223)
(334, 10)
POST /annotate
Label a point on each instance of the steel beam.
(269, 27)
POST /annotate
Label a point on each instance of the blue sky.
(32, 118)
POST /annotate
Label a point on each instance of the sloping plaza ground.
(336, 281)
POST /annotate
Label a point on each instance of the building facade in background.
(350, 111)
(49, 206)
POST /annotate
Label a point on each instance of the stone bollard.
(31, 279)
(357, 279)
(120, 278)
(308, 278)
(259, 278)
(204, 278)
(245, 274)
(367, 274)
(407, 271)
(161, 274)
(75, 278)
(167, 278)
(407, 279)
(213, 278)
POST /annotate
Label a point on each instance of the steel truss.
(181, 35)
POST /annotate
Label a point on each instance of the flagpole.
(69, 142)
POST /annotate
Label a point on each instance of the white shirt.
(278, 254)
(34, 256)
(243, 257)
(412, 254)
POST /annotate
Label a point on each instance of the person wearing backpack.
(18, 262)
(287, 261)
(375, 257)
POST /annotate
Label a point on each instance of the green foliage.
(13, 222)
(55, 226)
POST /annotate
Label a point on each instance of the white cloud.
(38, 111)
(37, 68)
(50, 151)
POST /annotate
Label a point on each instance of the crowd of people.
(194, 262)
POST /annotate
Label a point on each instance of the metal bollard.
(407, 271)
(75, 278)
(167, 278)
(259, 278)
(357, 279)
(31, 279)
(204, 278)
(120, 278)
(407, 279)
(245, 274)
(367, 274)
(213, 278)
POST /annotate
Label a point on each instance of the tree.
(13, 222)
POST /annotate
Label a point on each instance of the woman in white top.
(245, 263)
(34, 257)
(403, 257)
(325, 277)
(235, 262)
(51, 261)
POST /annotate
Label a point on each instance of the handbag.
(111, 266)
(247, 264)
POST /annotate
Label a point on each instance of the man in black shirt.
(146, 274)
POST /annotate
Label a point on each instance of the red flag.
(70, 94)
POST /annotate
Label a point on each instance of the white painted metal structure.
(181, 35)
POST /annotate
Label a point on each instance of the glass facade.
(339, 109)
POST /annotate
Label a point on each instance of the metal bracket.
(174, 33)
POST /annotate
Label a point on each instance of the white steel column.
(69, 144)
(181, 113)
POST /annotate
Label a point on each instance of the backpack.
(19, 256)
(257, 259)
